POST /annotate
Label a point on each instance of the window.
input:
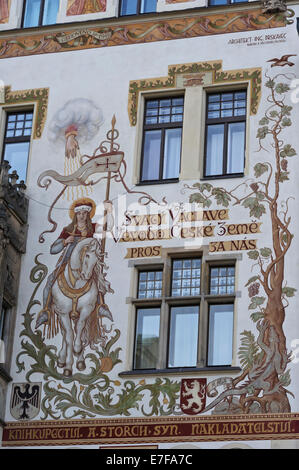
(184, 314)
(221, 316)
(147, 338)
(136, 7)
(220, 334)
(225, 134)
(162, 137)
(186, 277)
(4, 319)
(150, 284)
(183, 336)
(222, 280)
(226, 2)
(17, 141)
(40, 12)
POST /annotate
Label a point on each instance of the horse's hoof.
(81, 365)
(61, 364)
(67, 373)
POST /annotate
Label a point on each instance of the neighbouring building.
(148, 224)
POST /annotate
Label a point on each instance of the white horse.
(78, 301)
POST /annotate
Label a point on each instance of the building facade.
(149, 263)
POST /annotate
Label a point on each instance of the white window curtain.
(220, 334)
(183, 336)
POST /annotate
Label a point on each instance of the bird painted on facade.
(27, 398)
(284, 60)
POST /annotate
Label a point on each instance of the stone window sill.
(180, 371)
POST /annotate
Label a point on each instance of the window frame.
(5, 322)
(3, 319)
(225, 121)
(41, 15)
(166, 302)
(145, 290)
(228, 2)
(138, 8)
(143, 307)
(163, 127)
(17, 139)
(182, 304)
(210, 303)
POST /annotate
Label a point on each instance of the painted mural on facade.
(74, 325)
(4, 10)
(83, 7)
(70, 333)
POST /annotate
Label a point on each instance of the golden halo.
(82, 201)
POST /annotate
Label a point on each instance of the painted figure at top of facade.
(4, 11)
(83, 7)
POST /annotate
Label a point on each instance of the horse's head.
(89, 256)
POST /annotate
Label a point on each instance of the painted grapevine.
(261, 387)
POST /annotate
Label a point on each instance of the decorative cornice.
(158, 28)
(218, 76)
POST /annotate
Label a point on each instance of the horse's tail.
(91, 334)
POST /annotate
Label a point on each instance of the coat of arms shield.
(193, 395)
(25, 400)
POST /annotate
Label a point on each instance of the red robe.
(64, 235)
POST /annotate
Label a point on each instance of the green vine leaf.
(256, 316)
(256, 209)
(286, 110)
(289, 291)
(288, 151)
(264, 121)
(251, 280)
(273, 114)
(262, 132)
(286, 122)
(221, 197)
(284, 176)
(282, 88)
(259, 169)
(203, 186)
(200, 199)
(254, 254)
(270, 83)
(266, 252)
(256, 302)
